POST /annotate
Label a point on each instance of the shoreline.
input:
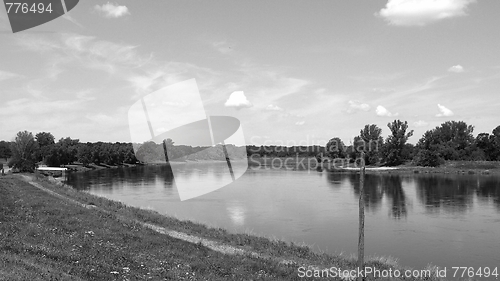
(277, 259)
(310, 163)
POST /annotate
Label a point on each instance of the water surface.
(445, 220)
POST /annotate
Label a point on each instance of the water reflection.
(376, 188)
(447, 193)
(135, 177)
(373, 193)
(236, 211)
(488, 189)
(392, 186)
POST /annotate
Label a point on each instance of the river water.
(440, 219)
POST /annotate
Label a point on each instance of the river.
(440, 219)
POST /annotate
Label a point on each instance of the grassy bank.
(71, 235)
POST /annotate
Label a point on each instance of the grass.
(44, 237)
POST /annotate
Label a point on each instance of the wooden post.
(361, 241)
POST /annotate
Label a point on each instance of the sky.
(293, 72)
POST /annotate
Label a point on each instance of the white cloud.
(238, 99)
(420, 123)
(300, 123)
(383, 90)
(422, 12)
(110, 10)
(274, 107)
(382, 111)
(38, 107)
(4, 75)
(222, 46)
(456, 68)
(445, 112)
(356, 105)
(92, 53)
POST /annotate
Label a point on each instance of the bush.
(428, 158)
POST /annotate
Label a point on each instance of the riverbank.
(449, 167)
(310, 163)
(52, 232)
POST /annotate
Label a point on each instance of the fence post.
(361, 240)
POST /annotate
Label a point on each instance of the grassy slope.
(46, 238)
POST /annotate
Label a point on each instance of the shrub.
(428, 158)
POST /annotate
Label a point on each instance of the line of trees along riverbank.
(28, 150)
(452, 140)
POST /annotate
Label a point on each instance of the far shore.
(310, 163)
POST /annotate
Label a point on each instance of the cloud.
(222, 47)
(420, 123)
(100, 54)
(92, 53)
(4, 75)
(356, 105)
(300, 123)
(456, 68)
(445, 112)
(238, 99)
(110, 10)
(274, 107)
(383, 90)
(382, 111)
(38, 107)
(422, 12)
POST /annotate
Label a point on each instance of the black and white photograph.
(347, 140)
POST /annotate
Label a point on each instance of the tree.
(489, 144)
(371, 142)
(495, 139)
(169, 149)
(148, 152)
(68, 149)
(44, 139)
(84, 154)
(5, 151)
(484, 142)
(335, 148)
(395, 143)
(426, 157)
(451, 141)
(24, 150)
(45, 142)
(53, 155)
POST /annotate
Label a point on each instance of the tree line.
(452, 140)
(27, 150)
